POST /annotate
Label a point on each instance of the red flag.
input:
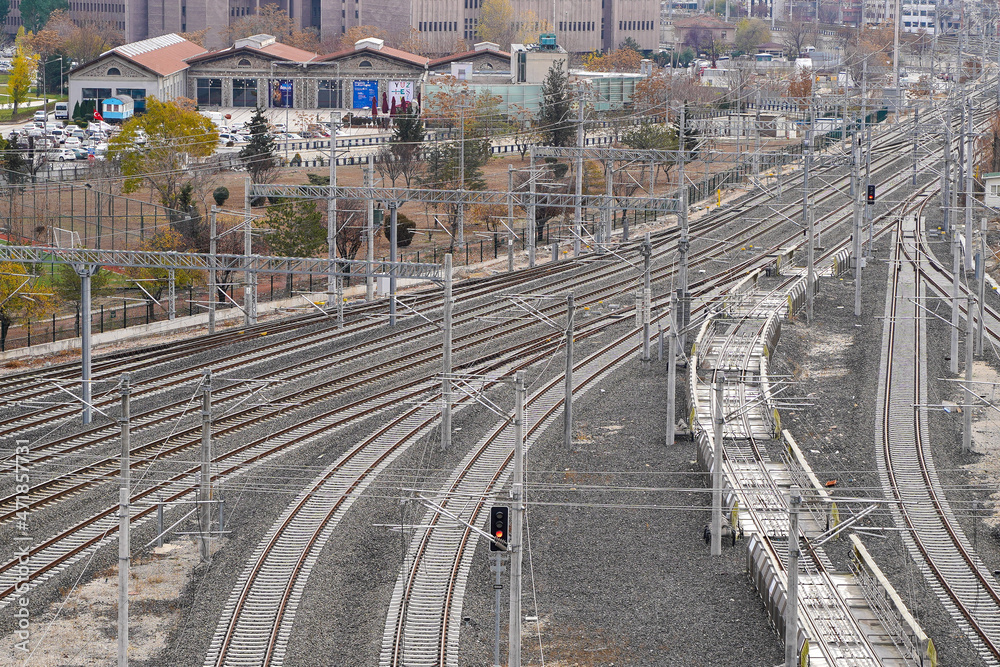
(97, 115)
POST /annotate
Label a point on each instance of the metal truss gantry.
(87, 262)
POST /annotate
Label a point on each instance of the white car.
(40, 115)
(72, 142)
(226, 137)
(60, 154)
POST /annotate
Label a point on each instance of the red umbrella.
(392, 109)
(374, 107)
(385, 103)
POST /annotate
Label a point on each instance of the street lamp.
(45, 92)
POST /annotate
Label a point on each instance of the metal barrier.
(902, 628)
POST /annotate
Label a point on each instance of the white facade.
(991, 185)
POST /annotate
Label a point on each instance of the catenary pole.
(720, 420)
(807, 221)
(969, 149)
(568, 379)
(205, 486)
(969, 344)
(392, 269)
(370, 231)
(956, 268)
(446, 358)
(672, 373)
(578, 210)
(792, 609)
(333, 280)
(857, 228)
(85, 271)
(510, 217)
(683, 244)
(647, 254)
(516, 523)
(123, 523)
(212, 288)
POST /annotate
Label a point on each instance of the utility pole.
(516, 522)
(720, 420)
(568, 398)
(578, 210)
(123, 523)
(392, 258)
(672, 373)
(212, 289)
(446, 359)
(792, 609)
(205, 487)
(647, 253)
(967, 408)
(510, 217)
(370, 238)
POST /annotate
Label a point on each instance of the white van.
(62, 111)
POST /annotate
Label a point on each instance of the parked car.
(60, 154)
(226, 137)
(80, 153)
(72, 142)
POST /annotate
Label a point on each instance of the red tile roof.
(388, 51)
(167, 60)
(162, 55)
(278, 50)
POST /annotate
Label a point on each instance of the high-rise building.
(442, 26)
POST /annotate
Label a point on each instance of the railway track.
(665, 241)
(228, 627)
(932, 535)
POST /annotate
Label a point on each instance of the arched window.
(243, 63)
(365, 64)
(487, 65)
(114, 71)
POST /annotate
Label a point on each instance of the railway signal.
(871, 194)
(499, 525)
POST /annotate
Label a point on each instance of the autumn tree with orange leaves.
(619, 60)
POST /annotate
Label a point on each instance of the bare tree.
(797, 36)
